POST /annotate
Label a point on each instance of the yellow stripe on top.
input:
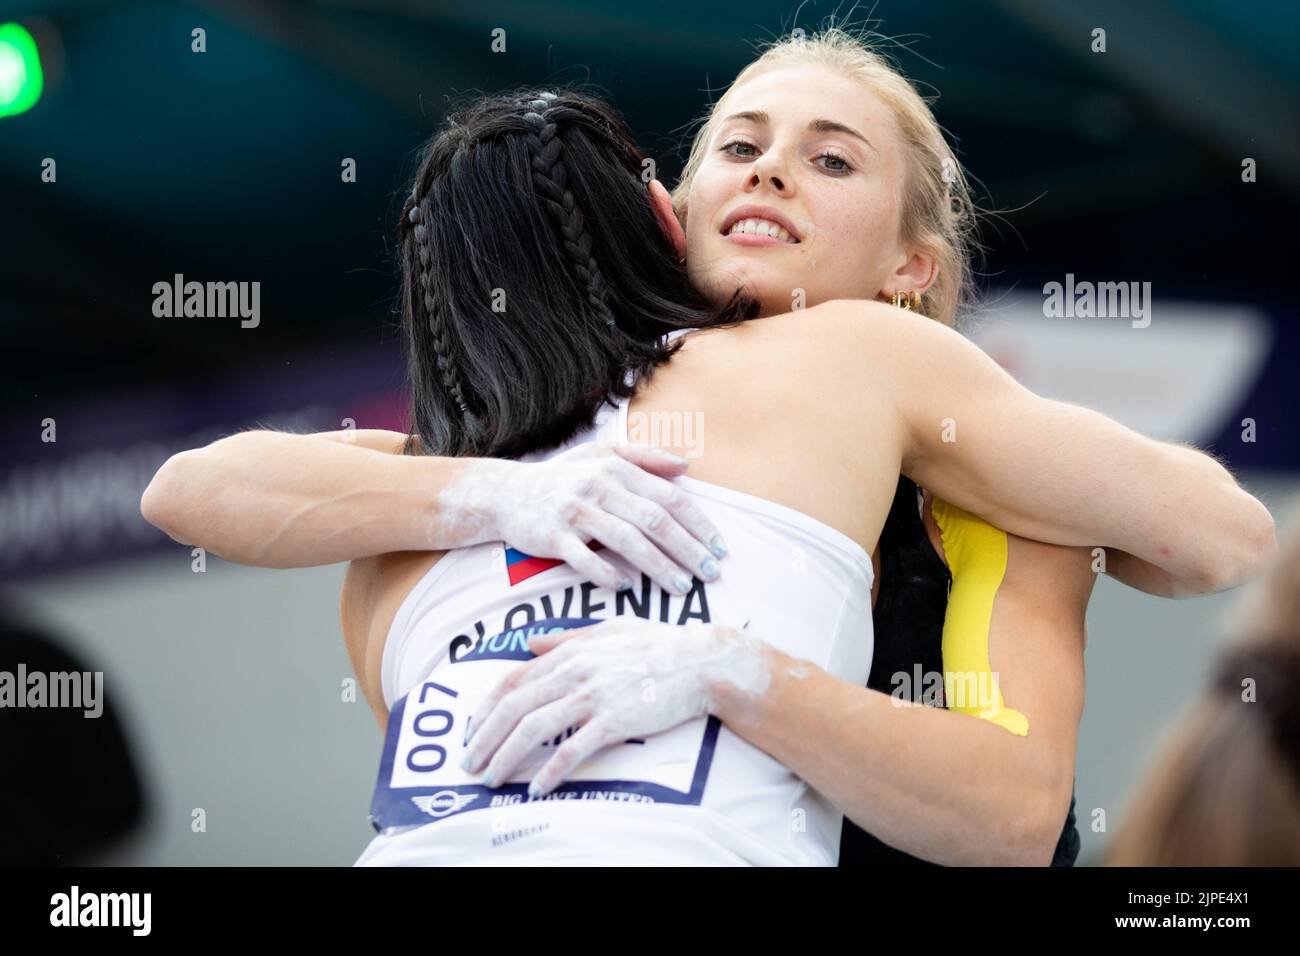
(977, 557)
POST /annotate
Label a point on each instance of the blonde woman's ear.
(662, 204)
(919, 273)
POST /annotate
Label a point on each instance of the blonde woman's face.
(822, 154)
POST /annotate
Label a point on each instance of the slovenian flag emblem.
(522, 566)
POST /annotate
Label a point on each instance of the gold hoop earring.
(907, 301)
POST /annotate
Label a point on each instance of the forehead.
(796, 95)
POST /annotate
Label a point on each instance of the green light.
(20, 70)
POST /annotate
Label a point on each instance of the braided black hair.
(552, 184)
(536, 200)
(423, 273)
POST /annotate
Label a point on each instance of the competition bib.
(420, 779)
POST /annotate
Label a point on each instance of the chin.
(773, 289)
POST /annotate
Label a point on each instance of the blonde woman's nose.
(770, 170)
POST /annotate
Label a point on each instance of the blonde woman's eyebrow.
(761, 118)
(750, 116)
(830, 126)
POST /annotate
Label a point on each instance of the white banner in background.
(1179, 378)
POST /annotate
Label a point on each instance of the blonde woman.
(856, 179)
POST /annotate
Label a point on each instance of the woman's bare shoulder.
(835, 344)
(830, 326)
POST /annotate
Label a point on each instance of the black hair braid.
(552, 182)
(424, 292)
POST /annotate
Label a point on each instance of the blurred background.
(230, 686)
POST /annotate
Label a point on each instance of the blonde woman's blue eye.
(842, 167)
(736, 142)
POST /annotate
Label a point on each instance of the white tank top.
(697, 794)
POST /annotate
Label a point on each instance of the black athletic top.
(908, 623)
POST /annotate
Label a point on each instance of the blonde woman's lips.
(749, 239)
(749, 219)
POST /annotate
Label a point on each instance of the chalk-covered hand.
(619, 679)
(622, 497)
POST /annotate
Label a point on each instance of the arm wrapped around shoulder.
(1048, 470)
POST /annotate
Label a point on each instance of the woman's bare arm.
(1142, 575)
(935, 783)
(1045, 469)
(280, 500)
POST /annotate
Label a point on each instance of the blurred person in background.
(1225, 790)
(72, 793)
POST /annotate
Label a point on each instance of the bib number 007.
(426, 724)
